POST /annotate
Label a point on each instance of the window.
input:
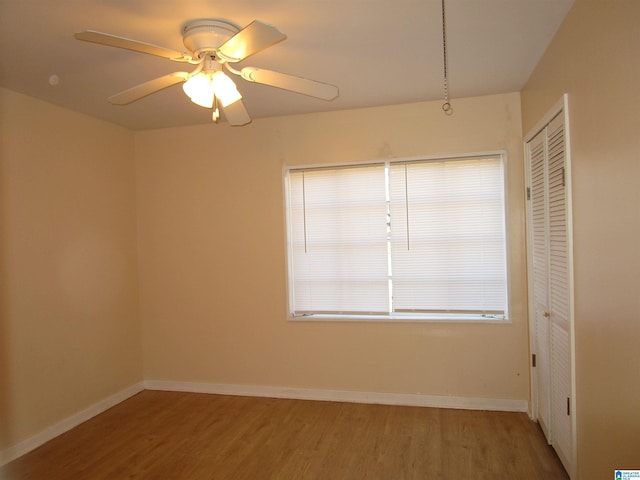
(412, 239)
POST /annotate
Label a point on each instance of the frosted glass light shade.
(225, 89)
(199, 88)
(202, 88)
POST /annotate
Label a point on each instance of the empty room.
(320, 239)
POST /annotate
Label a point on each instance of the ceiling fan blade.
(251, 39)
(128, 44)
(152, 86)
(324, 91)
(236, 113)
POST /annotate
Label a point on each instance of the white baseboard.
(59, 428)
(405, 399)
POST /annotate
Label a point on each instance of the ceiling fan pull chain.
(215, 114)
(446, 106)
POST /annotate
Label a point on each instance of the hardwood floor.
(168, 435)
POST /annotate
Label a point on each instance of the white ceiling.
(378, 52)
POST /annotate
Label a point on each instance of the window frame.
(396, 317)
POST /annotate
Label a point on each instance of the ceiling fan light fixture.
(199, 89)
(224, 88)
(203, 87)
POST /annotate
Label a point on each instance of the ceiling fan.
(213, 44)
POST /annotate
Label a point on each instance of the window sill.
(401, 318)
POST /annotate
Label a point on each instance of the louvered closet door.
(539, 245)
(559, 290)
(550, 292)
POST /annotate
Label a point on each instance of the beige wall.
(211, 236)
(212, 257)
(595, 58)
(69, 325)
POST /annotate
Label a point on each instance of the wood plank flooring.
(168, 435)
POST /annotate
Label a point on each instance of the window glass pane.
(447, 236)
(338, 240)
(419, 238)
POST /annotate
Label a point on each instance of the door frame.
(560, 107)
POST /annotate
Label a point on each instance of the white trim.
(497, 319)
(561, 107)
(391, 317)
(573, 473)
(67, 424)
(381, 161)
(403, 399)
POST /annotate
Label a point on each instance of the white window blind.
(338, 236)
(398, 239)
(447, 236)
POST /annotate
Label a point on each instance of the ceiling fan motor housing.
(207, 35)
